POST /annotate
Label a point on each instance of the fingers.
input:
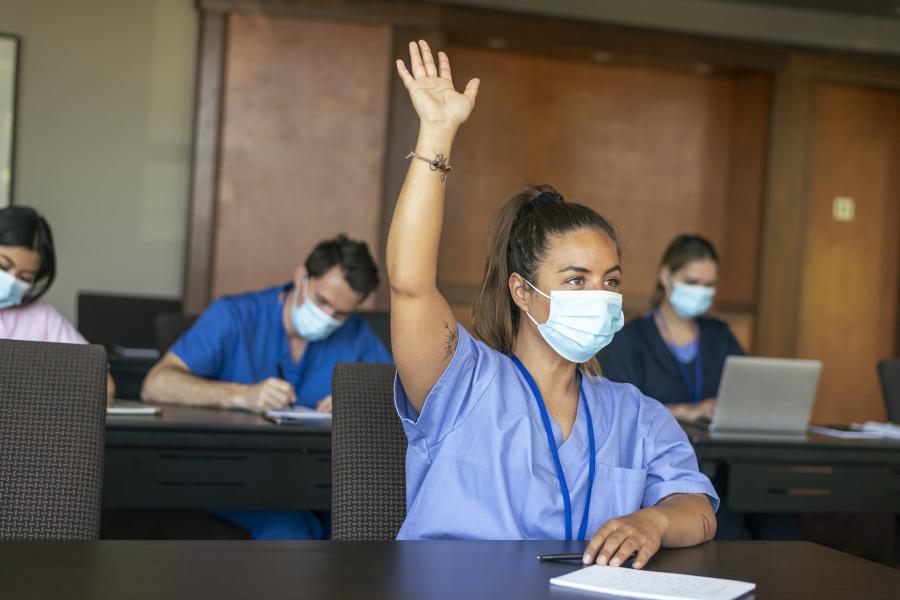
(610, 546)
(626, 549)
(472, 90)
(415, 60)
(597, 541)
(404, 74)
(428, 59)
(277, 393)
(324, 405)
(444, 67)
(643, 556)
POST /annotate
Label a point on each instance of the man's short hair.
(352, 256)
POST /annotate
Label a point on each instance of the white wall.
(103, 137)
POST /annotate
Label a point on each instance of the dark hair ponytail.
(24, 227)
(682, 250)
(517, 244)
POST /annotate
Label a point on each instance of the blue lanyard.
(560, 476)
(695, 394)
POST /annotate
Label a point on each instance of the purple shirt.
(478, 465)
(37, 322)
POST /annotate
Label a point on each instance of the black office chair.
(380, 321)
(170, 327)
(52, 425)
(368, 454)
(889, 374)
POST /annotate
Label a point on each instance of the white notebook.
(298, 413)
(651, 585)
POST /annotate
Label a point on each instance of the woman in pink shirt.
(27, 269)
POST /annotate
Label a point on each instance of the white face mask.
(12, 290)
(691, 301)
(581, 322)
(310, 321)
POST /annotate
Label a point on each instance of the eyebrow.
(583, 270)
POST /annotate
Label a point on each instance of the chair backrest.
(368, 454)
(170, 327)
(52, 426)
(889, 374)
(119, 320)
(380, 322)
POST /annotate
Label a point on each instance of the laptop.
(766, 395)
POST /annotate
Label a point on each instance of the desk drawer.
(782, 487)
(207, 479)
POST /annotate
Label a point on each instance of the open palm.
(431, 88)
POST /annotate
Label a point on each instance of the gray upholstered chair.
(368, 454)
(52, 424)
(889, 374)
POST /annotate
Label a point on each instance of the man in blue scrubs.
(274, 348)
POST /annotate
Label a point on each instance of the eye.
(576, 281)
(613, 283)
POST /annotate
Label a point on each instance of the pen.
(281, 372)
(559, 557)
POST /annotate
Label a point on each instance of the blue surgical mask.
(12, 290)
(581, 322)
(310, 321)
(691, 301)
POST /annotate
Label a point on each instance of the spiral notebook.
(651, 585)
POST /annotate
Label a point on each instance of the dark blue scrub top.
(242, 339)
(639, 355)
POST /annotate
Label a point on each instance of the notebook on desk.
(618, 582)
(297, 415)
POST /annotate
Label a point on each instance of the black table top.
(400, 570)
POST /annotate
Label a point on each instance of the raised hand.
(430, 87)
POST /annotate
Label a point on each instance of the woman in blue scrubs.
(512, 433)
(673, 353)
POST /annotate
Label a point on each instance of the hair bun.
(545, 198)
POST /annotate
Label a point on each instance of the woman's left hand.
(618, 539)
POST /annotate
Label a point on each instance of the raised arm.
(423, 329)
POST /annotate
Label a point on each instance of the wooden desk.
(809, 473)
(207, 459)
(400, 570)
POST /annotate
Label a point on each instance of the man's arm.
(171, 381)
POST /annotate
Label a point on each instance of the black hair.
(352, 256)
(24, 227)
(682, 250)
(518, 243)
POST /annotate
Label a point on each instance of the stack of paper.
(651, 585)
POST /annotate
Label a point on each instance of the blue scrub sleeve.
(462, 384)
(671, 462)
(205, 345)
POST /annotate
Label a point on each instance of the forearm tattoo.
(452, 340)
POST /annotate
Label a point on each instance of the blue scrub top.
(242, 339)
(638, 355)
(478, 465)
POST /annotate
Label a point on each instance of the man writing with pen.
(273, 348)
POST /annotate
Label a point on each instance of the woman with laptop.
(512, 432)
(27, 269)
(673, 353)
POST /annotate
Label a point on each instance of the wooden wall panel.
(303, 138)
(848, 315)
(650, 149)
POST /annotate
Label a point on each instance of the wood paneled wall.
(656, 151)
(302, 147)
(848, 316)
